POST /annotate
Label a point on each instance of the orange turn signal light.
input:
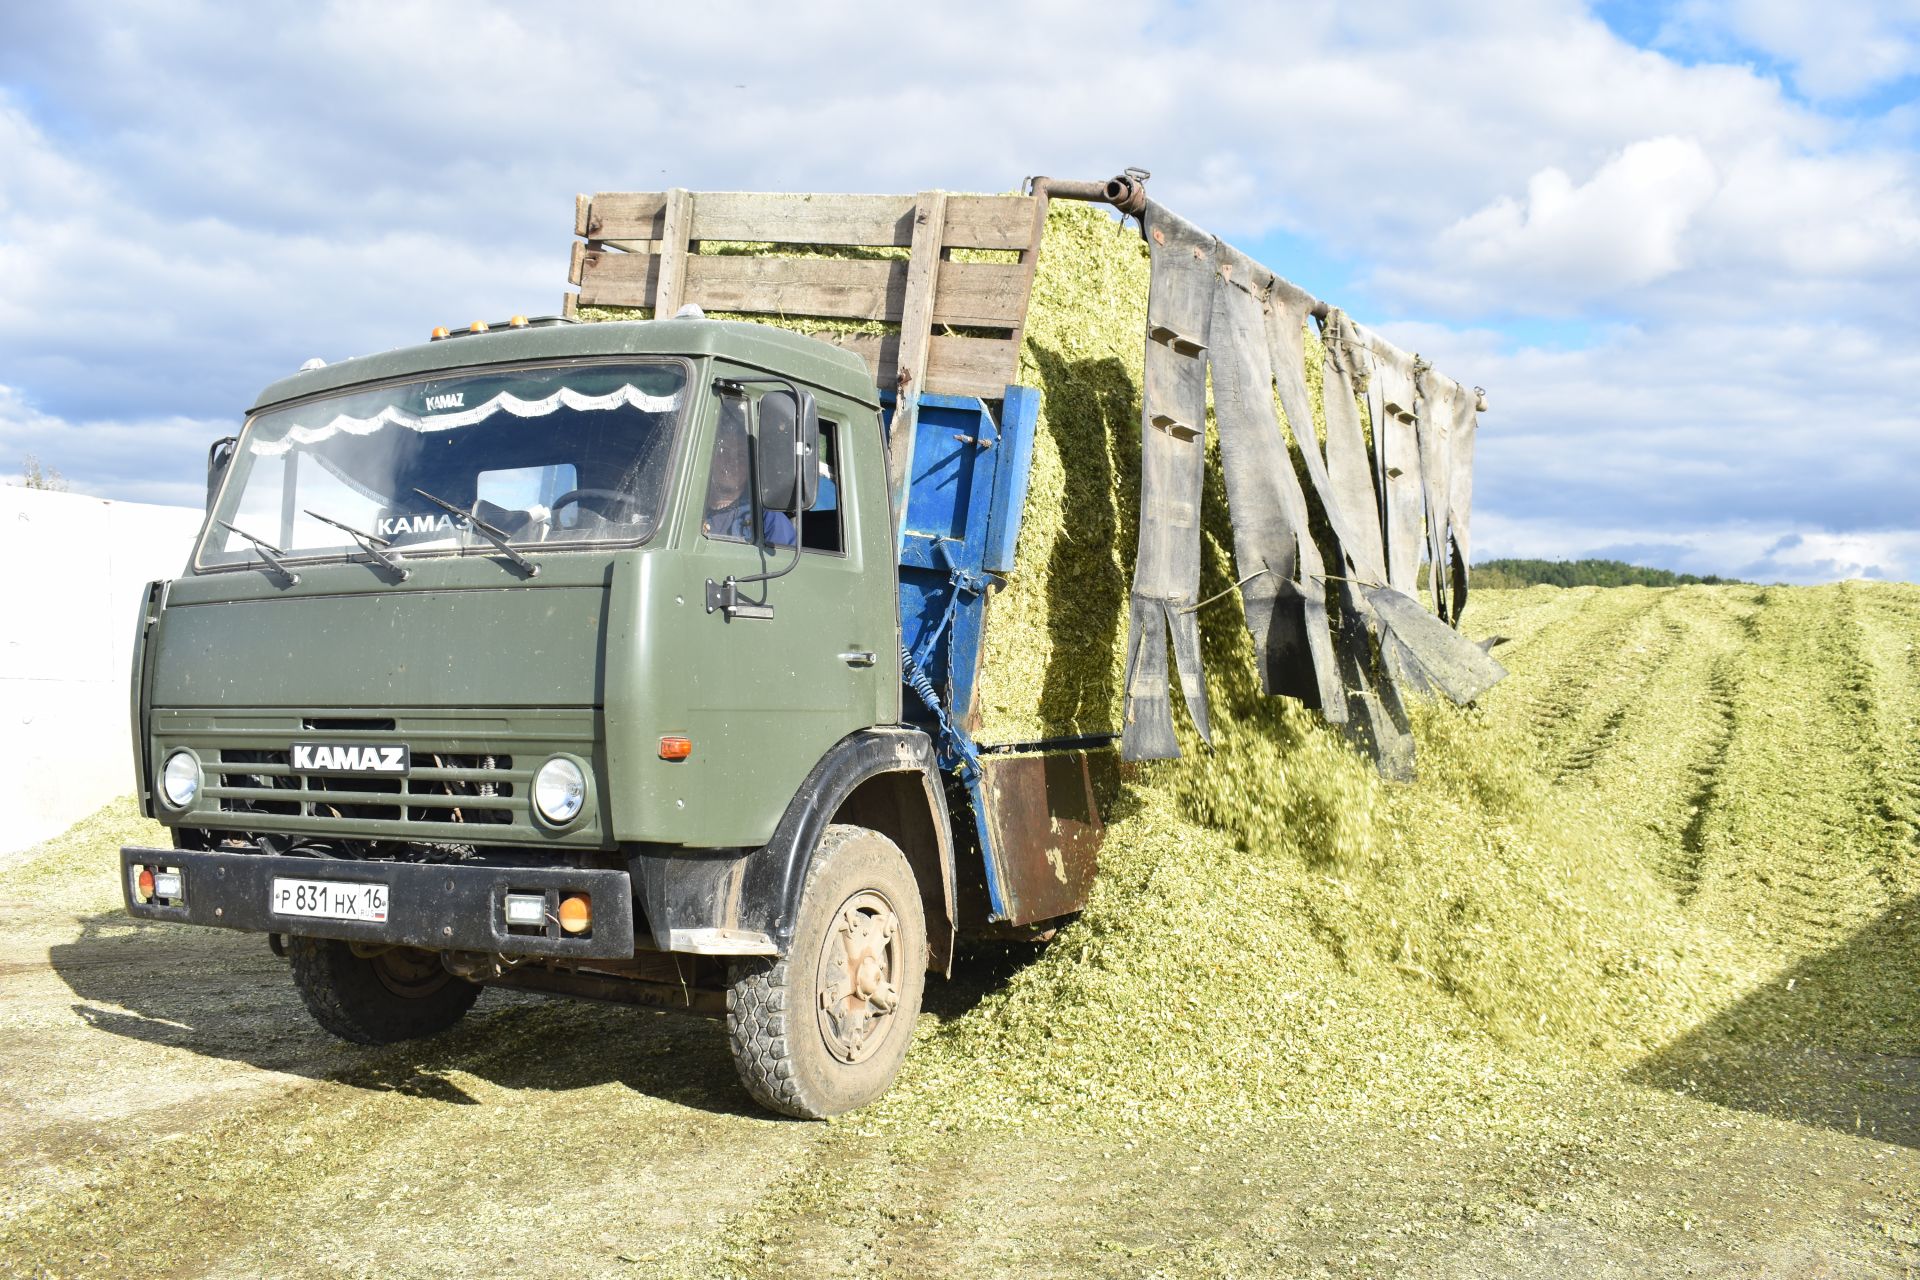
(478, 326)
(439, 331)
(576, 914)
(145, 883)
(672, 748)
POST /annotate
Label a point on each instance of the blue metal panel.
(966, 490)
(1019, 415)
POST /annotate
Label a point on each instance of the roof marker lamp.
(180, 780)
(559, 791)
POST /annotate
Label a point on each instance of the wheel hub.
(858, 960)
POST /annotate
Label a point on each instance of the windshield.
(545, 456)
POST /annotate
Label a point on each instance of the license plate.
(329, 900)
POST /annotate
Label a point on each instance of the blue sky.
(1679, 244)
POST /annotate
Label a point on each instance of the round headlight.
(559, 791)
(180, 780)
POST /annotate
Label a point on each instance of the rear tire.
(384, 998)
(823, 1029)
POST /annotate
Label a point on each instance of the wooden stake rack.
(954, 324)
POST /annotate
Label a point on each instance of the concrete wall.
(73, 570)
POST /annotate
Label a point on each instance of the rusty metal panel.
(1043, 815)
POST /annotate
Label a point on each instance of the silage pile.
(1275, 931)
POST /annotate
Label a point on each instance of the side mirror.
(787, 451)
(219, 458)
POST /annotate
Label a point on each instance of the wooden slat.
(988, 295)
(579, 258)
(989, 222)
(626, 215)
(841, 288)
(570, 305)
(670, 288)
(973, 222)
(804, 219)
(923, 275)
(955, 366)
(610, 279)
(972, 366)
(1030, 258)
(916, 330)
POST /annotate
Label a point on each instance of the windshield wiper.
(370, 543)
(268, 552)
(498, 537)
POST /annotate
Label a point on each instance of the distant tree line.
(1582, 573)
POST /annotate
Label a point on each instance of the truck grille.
(443, 787)
(470, 779)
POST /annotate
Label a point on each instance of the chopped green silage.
(1681, 840)
(1664, 848)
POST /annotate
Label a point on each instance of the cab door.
(773, 687)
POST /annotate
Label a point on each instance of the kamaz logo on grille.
(324, 757)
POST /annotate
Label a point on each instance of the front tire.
(823, 1029)
(382, 997)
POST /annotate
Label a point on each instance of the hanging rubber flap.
(1437, 409)
(1275, 560)
(1166, 575)
(1396, 440)
(1460, 496)
(1348, 368)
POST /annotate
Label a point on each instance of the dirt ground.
(170, 1110)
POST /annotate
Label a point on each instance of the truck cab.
(587, 659)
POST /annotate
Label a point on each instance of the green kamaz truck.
(630, 661)
(640, 661)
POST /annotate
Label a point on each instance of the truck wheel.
(392, 995)
(824, 1028)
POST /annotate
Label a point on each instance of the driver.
(729, 504)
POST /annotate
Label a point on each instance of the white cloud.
(194, 200)
(1835, 51)
(1621, 229)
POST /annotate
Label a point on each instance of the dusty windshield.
(547, 456)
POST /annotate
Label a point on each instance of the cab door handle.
(859, 658)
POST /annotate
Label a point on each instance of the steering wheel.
(591, 500)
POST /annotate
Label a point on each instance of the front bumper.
(437, 907)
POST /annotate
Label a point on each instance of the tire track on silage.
(1888, 617)
(1783, 851)
(1659, 763)
(1553, 673)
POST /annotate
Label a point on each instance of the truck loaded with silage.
(694, 662)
